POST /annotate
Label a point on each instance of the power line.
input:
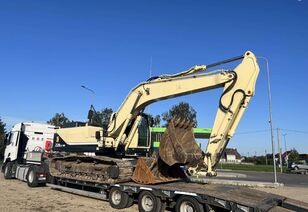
(295, 131)
(262, 131)
(252, 132)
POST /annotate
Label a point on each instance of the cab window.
(9, 139)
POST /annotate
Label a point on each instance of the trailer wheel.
(130, 201)
(32, 177)
(118, 199)
(187, 203)
(147, 202)
(8, 170)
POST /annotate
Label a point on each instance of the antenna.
(150, 73)
(151, 61)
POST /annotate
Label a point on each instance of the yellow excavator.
(178, 147)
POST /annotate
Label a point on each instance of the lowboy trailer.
(180, 196)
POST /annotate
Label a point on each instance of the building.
(230, 155)
(284, 157)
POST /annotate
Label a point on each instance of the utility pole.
(279, 149)
(285, 149)
(265, 157)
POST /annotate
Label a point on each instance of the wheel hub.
(31, 177)
(186, 207)
(116, 197)
(147, 203)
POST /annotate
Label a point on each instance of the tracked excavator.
(178, 147)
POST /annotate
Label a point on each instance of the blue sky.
(48, 49)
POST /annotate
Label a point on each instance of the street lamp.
(270, 114)
(84, 87)
(90, 117)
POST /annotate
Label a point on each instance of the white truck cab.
(26, 144)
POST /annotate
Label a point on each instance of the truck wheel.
(8, 170)
(147, 202)
(117, 198)
(187, 203)
(32, 177)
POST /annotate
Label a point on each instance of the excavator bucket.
(177, 148)
(153, 171)
(178, 145)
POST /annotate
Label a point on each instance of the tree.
(182, 110)
(154, 120)
(293, 156)
(101, 118)
(2, 138)
(59, 120)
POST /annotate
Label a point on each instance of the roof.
(231, 151)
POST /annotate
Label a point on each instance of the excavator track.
(98, 169)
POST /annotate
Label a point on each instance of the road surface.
(288, 179)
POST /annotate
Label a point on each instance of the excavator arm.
(233, 103)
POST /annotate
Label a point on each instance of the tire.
(187, 203)
(32, 177)
(8, 170)
(296, 168)
(130, 201)
(118, 199)
(147, 202)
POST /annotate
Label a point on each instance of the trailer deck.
(230, 198)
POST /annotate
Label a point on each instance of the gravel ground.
(17, 196)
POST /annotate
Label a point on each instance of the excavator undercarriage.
(97, 169)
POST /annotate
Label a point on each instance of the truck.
(21, 160)
(162, 180)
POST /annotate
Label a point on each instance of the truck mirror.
(98, 135)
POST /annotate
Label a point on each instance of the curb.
(245, 183)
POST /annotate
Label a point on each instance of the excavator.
(178, 148)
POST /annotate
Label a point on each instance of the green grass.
(244, 167)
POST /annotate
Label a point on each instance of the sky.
(48, 49)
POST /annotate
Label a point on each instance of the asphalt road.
(294, 180)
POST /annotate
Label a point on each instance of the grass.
(245, 167)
